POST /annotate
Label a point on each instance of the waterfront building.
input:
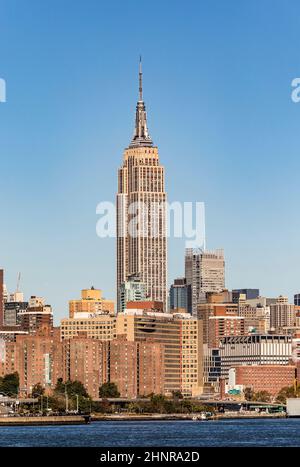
(151, 368)
(282, 314)
(180, 295)
(270, 378)
(132, 290)
(123, 366)
(204, 272)
(137, 368)
(33, 357)
(162, 328)
(84, 360)
(182, 338)
(254, 349)
(92, 302)
(141, 212)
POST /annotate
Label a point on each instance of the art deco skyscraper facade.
(141, 211)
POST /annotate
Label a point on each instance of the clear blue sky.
(217, 85)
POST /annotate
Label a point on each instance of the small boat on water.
(202, 416)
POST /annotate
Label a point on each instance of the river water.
(263, 432)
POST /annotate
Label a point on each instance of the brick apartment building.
(271, 378)
(34, 357)
(136, 368)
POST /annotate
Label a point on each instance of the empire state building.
(141, 211)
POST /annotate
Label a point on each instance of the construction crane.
(18, 282)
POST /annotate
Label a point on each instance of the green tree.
(262, 396)
(158, 402)
(177, 395)
(72, 388)
(76, 388)
(249, 394)
(37, 390)
(9, 384)
(60, 386)
(108, 390)
(287, 392)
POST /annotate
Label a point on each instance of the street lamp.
(67, 400)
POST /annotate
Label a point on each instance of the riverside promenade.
(86, 419)
(174, 417)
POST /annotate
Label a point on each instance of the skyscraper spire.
(141, 135)
(140, 81)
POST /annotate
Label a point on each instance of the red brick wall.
(269, 378)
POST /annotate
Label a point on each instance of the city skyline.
(61, 162)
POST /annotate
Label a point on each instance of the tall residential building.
(282, 314)
(33, 357)
(141, 212)
(137, 368)
(85, 359)
(204, 272)
(92, 302)
(182, 339)
(180, 295)
(191, 357)
(132, 290)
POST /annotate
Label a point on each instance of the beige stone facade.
(141, 212)
(101, 327)
(92, 302)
